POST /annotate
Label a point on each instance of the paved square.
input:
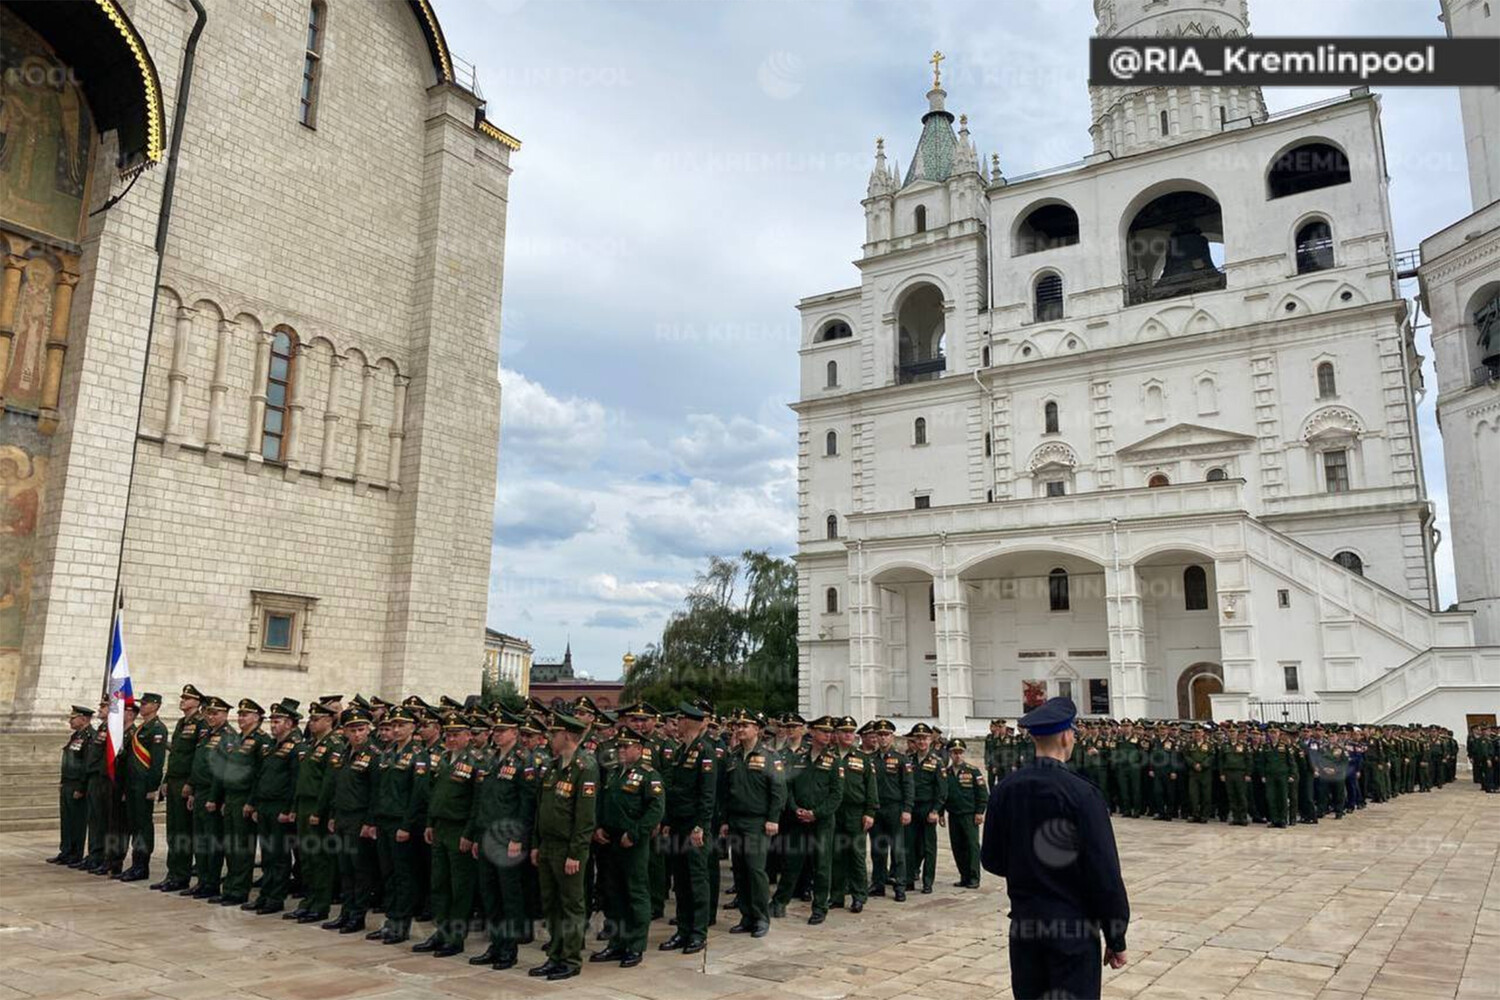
(1398, 902)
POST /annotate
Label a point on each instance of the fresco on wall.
(23, 479)
(33, 318)
(1033, 694)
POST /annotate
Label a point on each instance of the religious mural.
(23, 478)
(1033, 694)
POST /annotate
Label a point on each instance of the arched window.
(831, 600)
(1194, 589)
(989, 445)
(1314, 247)
(836, 330)
(1158, 479)
(1165, 128)
(919, 431)
(278, 387)
(1307, 167)
(831, 443)
(919, 217)
(1328, 385)
(1057, 589)
(312, 64)
(833, 374)
(833, 526)
(1047, 302)
(1049, 417)
(1155, 403)
(1351, 562)
(920, 335)
(1174, 246)
(1208, 395)
(1044, 228)
(1216, 475)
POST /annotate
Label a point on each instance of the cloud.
(548, 430)
(612, 620)
(704, 519)
(606, 587)
(736, 451)
(539, 513)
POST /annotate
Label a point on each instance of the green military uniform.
(896, 788)
(502, 819)
(930, 787)
(72, 789)
(691, 781)
(753, 789)
(208, 824)
(1331, 763)
(315, 849)
(180, 750)
(964, 800)
(399, 767)
(565, 824)
(348, 787)
(99, 787)
(815, 785)
(144, 765)
(1127, 760)
(859, 803)
(1234, 762)
(1093, 762)
(1276, 768)
(450, 802)
(274, 795)
(631, 805)
(239, 758)
(1198, 761)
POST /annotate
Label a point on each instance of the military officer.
(1233, 761)
(99, 787)
(344, 805)
(814, 792)
(691, 781)
(856, 817)
(272, 805)
(566, 820)
(450, 801)
(896, 788)
(314, 843)
(631, 806)
(144, 763)
(398, 765)
(502, 821)
(1198, 758)
(71, 802)
(238, 762)
(175, 790)
(753, 789)
(208, 824)
(1276, 770)
(1127, 759)
(963, 805)
(930, 787)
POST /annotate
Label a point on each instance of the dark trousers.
(851, 871)
(73, 821)
(316, 858)
(688, 866)
(452, 883)
(502, 891)
(208, 845)
(748, 845)
(239, 854)
(1053, 966)
(359, 866)
(398, 871)
(275, 852)
(562, 902)
(888, 848)
(179, 833)
(921, 847)
(624, 892)
(140, 814)
(963, 837)
(97, 799)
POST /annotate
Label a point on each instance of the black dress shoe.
(610, 954)
(165, 885)
(447, 951)
(927, 890)
(213, 899)
(312, 917)
(545, 969)
(293, 914)
(140, 875)
(818, 916)
(78, 864)
(379, 935)
(806, 897)
(900, 896)
(526, 938)
(694, 946)
(877, 890)
(250, 904)
(336, 922)
(353, 926)
(630, 959)
(733, 904)
(232, 900)
(562, 972)
(743, 927)
(58, 859)
(777, 909)
(761, 930)
(431, 944)
(672, 943)
(858, 906)
(267, 910)
(961, 884)
(837, 904)
(396, 936)
(507, 961)
(485, 957)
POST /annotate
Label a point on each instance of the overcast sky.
(692, 169)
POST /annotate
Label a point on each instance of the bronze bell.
(1187, 256)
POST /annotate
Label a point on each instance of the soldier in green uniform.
(631, 806)
(314, 846)
(753, 791)
(963, 805)
(815, 791)
(502, 818)
(72, 805)
(98, 792)
(1127, 759)
(239, 757)
(429, 741)
(856, 817)
(1233, 762)
(896, 789)
(208, 823)
(145, 760)
(993, 770)
(691, 781)
(930, 786)
(1331, 764)
(117, 838)
(565, 824)
(271, 805)
(348, 786)
(398, 766)
(1093, 752)
(175, 790)
(533, 742)
(450, 801)
(1198, 761)
(1276, 769)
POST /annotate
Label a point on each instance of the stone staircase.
(29, 766)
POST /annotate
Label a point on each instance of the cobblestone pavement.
(1399, 901)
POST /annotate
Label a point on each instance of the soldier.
(145, 761)
(963, 802)
(896, 788)
(1093, 760)
(1330, 763)
(815, 791)
(272, 805)
(450, 802)
(930, 785)
(1198, 762)
(344, 803)
(175, 790)
(1276, 769)
(314, 844)
(1127, 759)
(856, 817)
(429, 740)
(99, 787)
(691, 780)
(1233, 762)
(630, 808)
(502, 818)
(72, 807)
(566, 814)
(993, 769)
(753, 790)
(398, 767)
(208, 824)
(239, 758)
(117, 838)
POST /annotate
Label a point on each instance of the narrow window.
(1336, 470)
(1048, 300)
(1057, 589)
(1155, 403)
(312, 62)
(919, 431)
(277, 633)
(1289, 676)
(1049, 417)
(278, 385)
(1283, 598)
(931, 602)
(1351, 562)
(989, 447)
(1328, 385)
(1216, 475)
(833, 374)
(1194, 589)
(833, 526)
(1223, 116)
(1164, 126)
(984, 357)
(1314, 247)
(920, 217)
(831, 600)
(923, 502)
(1158, 479)
(1057, 488)
(831, 443)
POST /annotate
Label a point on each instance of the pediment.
(1187, 439)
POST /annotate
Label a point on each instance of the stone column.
(330, 421)
(57, 349)
(863, 606)
(10, 293)
(954, 671)
(362, 431)
(213, 438)
(177, 379)
(397, 434)
(1237, 644)
(1127, 642)
(253, 458)
(293, 431)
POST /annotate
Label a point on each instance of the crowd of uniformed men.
(458, 813)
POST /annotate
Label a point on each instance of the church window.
(1048, 300)
(833, 526)
(831, 443)
(837, 330)
(312, 64)
(278, 386)
(920, 335)
(1158, 479)
(1047, 227)
(833, 374)
(1057, 589)
(1164, 127)
(919, 431)
(923, 502)
(831, 600)
(1194, 589)
(919, 217)
(1174, 246)
(1049, 417)
(1336, 471)
(989, 445)
(1314, 247)
(1057, 488)
(1307, 167)
(1327, 381)
(1350, 561)
(1216, 475)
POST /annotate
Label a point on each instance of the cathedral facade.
(249, 338)
(1140, 430)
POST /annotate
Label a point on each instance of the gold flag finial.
(937, 67)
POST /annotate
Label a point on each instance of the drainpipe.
(987, 408)
(163, 221)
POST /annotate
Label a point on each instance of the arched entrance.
(1194, 688)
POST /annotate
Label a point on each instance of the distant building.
(556, 684)
(548, 673)
(507, 658)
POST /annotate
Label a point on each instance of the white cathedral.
(1141, 430)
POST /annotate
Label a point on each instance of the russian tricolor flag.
(120, 693)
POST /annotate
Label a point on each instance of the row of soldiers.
(1483, 747)
(414, 811)
(1242, 772)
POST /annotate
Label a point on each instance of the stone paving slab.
(1399, 901)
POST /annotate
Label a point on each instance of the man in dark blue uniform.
(1047, 833)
